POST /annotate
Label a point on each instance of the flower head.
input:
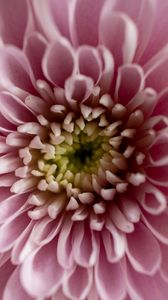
(84, 160)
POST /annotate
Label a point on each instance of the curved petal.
(14, 110)
(64, 246)
(77, 283)
(142, 12)
(161, 107)
(152, 199)
(14, 289)
(11, 206)
(164, 264)
(119, 34)
(109, 277)
(58, 62)
(84, 20)
(158, 225)
(15, 71)
(78, 88)
(45, 19)
(158, 150)
(158, 30)
(9, 162)
(84, 246)
(108, 69)
(60, 13)
(156, 70)
(143, 250)
(130, 81)
(41, 274)
(34, 48)
(12, 27)
(11, 230)
(6, 270)
(145, 287)
(89, 62)
(158, 174)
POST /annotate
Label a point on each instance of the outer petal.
(6, 270)
(89, 62)
(14, 110)
(110, 281)
(77, 283)
(145, 287)
(78, 88)
(11, 230)
(129, 82)
(156, 73)
(40, 274)
(12, 27)
(58, 62)
(118, 33)
(14, 289)
(143, 250)
(15, 70)
(142, 12)
(34, 47)
(158, 225)
(84, 20)
(60, 13)
(158, 32)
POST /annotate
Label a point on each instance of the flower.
(83, 143)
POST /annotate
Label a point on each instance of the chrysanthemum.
(84, 150)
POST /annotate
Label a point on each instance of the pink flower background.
(73, 229)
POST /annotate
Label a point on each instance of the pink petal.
(77, 283)
(11, 230)
(9, 162)
(84, 245)
(158, 225)
(142, 13)
(158, 150)
(6, 270)
(109, 277)
(145, 287)
(34, 47)
(164, 265)
(13, 27)
(23, 245)
(152, 199)
(14, 289)
(78, 88)
(158, 174)
(156, 70)
(114, 243)
(129, 82)
(64, 246)
(84, 20)
(11, 205)
(143, 250)
(161, 22)
(6, 126)
(40, 273)
(59, 296)
(14, 110)
(89, 62)
(45, 230)
(161, 107)
(60, 13)
(45, 20)
(15, 70)
(108, 69)
(119, 34)
(58, 62)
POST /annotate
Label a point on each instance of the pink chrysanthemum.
(84, 150)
